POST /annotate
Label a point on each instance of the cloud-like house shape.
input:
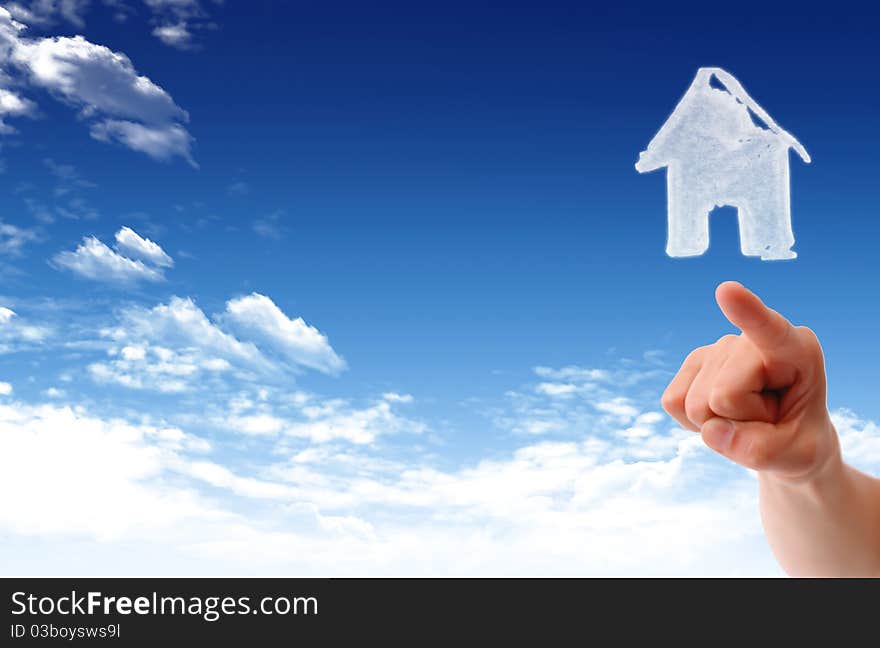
(257, 316)
(94, 260)
(721, 148)
(122, 105)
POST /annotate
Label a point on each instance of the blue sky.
(446, 197)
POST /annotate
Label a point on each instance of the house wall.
(754, 178)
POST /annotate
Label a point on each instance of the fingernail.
(718, 433)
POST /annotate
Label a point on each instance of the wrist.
(826, 467)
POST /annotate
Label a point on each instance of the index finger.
(767, 329)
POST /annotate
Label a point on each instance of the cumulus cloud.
(176, 347)
(134, 246)
(350, 492)
(260, 319)
(120, 104)
(548, 508)
(5, 389)
(182, 326)
(93, 260)
(91, 476)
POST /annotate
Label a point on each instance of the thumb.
(767, 329)
(753, 444)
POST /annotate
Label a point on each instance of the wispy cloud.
(18, 334)
(13, 238)
(178, 20)
(317, 420)
(48, 12)
(269, 226)
(175, 35)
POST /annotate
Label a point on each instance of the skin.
(759, 399)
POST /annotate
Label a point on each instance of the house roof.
(651, 158)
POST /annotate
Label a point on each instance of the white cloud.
(260, 319)
(14, 238)
(354, 491)
(47, 12)
(12, 105)
(182, 327)
(175, 35)
(101, 84)
(559, 390)
(176, 347)
(321, 421)
(131, 244)
(269, 227)
(860, 439)
(572, 372)
(549, 508)
(156, 368)
(94, 78)
(354, 425)
(178, 19)
(620, 407)
(17, 334)
(394, 397)
(238, 189)
(161, 142)
(94, 260)
(5, 389)
(89, 476)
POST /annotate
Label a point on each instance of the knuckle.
(726, 340)
(695, 355)
(808, 335)
(722, 401)
(807, 332)
(695, 407)
(671, 400)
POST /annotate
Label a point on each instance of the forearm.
(826, 525)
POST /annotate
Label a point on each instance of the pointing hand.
(758, 398)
